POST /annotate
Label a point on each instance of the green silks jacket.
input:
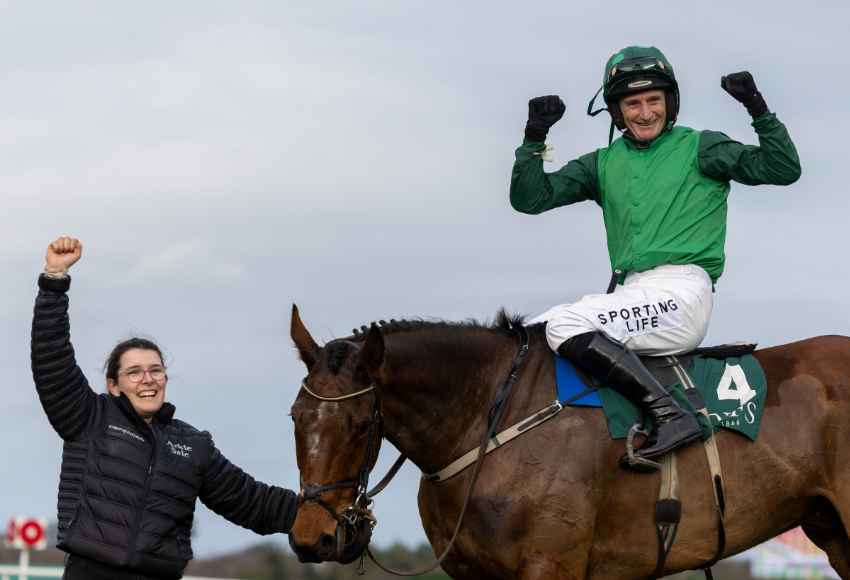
(664, 203)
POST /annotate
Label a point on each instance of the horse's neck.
(438, 387)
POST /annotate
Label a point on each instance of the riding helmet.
(636, 69)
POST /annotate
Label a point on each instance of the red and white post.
(25, 534)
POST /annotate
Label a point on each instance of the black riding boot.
(620, 368)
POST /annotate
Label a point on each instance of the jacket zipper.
(131, 547)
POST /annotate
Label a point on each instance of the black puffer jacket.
(127, 489)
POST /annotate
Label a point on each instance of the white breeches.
(661, 311)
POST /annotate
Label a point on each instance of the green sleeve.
(534, 191)
(774, 161)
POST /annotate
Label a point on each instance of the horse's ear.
(307, 347)
(372, 353)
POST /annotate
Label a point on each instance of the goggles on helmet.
(636, 64)
(646, 72)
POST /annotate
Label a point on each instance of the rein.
(359, 510)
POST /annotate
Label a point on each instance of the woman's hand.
(62, 253)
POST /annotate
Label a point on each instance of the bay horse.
(553, 503)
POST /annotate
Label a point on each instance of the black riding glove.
(543, 112)
(743, 89)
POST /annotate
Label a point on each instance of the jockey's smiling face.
(645, 114)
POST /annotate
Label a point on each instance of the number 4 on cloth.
(734, 375)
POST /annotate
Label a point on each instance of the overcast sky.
(221, 160)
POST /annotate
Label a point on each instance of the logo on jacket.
(179, 449)
(126, 432)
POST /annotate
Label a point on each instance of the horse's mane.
(503, 322)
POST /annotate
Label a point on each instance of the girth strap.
(668, 511)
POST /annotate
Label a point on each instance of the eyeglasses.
(137, 374)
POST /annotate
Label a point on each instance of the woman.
(131, 472)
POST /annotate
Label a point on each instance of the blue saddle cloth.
(570, 385)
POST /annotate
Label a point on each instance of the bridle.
(355, 522)
(354, 395)
(357, 518)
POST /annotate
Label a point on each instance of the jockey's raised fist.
(743, 89)
(62, 253)
(543, 112)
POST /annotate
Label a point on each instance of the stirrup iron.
(632, 461)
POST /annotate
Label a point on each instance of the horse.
(553, 503)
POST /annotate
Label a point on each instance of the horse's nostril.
(327, 543)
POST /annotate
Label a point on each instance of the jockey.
(662, 189)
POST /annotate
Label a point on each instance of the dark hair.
(114, 360)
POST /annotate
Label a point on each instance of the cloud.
(181, 259)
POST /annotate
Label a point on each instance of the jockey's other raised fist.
(62, 253)
(743, 89)
(543, 112)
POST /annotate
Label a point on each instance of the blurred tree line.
(270, 561)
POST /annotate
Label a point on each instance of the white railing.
(23, 573)
(8, 572)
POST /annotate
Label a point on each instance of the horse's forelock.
(336, 352)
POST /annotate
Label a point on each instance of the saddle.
(721, 378)
(661, 368)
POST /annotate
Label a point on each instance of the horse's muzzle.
(322, 550)
(344, 547)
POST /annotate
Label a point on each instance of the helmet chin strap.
(590, 110)
(593, 113)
